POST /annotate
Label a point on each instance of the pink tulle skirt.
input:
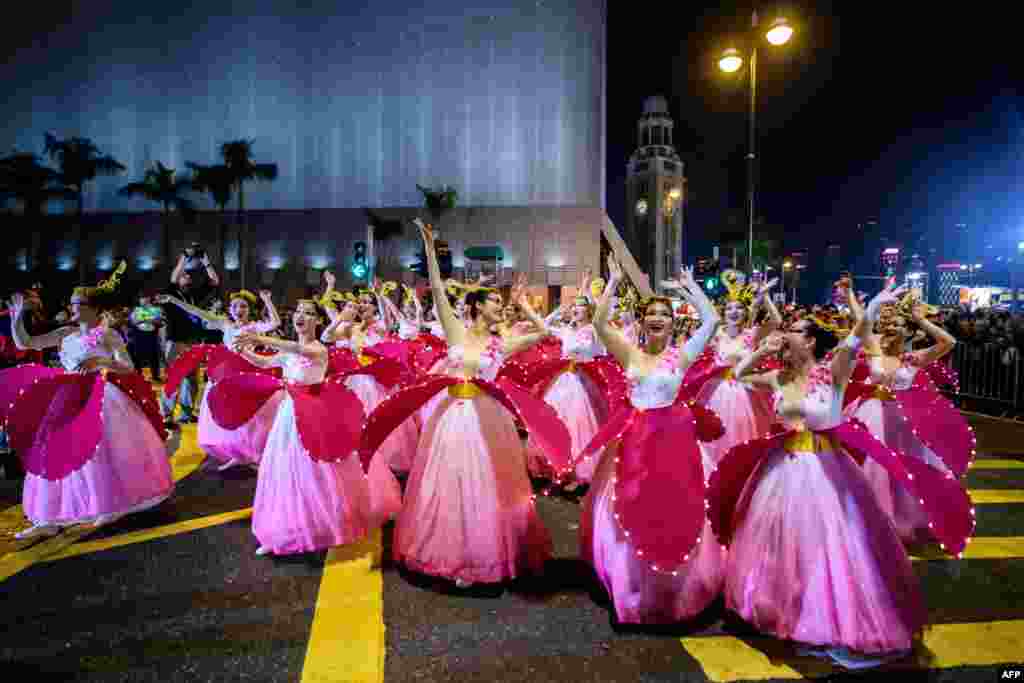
(469, 512)
(641, 595)
(399, 448)
(747, 414)
(244, 444)
(130, 471)
(884, 421)
(815, 559)
(580, 405)
(303, 504)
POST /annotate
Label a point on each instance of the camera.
(194, 254)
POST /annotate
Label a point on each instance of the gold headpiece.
(244, 295)
(103, 288)
(597, 287)
(335, 297)
(908, 301)
(734, 292)
(388, 287)
(644, 302)
(407, 294)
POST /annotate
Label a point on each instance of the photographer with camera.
(183, 329)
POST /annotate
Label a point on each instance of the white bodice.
(821, 406)
(76, 348)
(658, 388)
(581, 344)
(490, 360)
(232, 331)
(301, 369)
(898, 379)
(436, 328)
(407, 330)
(736, 351)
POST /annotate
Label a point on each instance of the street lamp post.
(778, 33)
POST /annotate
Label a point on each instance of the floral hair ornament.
(388, 287)
(645, 302)
(104, 288)
(734, 291)
(408, 294)
(245, 295)
(909, 301)
(597, 287)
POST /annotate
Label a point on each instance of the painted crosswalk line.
(346, 641)
(727, 658)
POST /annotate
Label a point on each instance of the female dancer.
(310, 492)
(92, 443)
(813, 556)
(745, 410)
(242, 446)
(469, 513)
(903, 410)
(643, 527)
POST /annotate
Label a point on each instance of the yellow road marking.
(185, 460)
(143, 535)
(981, 548)
(983, 496)
(726, 658)
(346, 642)
(997, 464)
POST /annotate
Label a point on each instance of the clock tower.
(654, 196)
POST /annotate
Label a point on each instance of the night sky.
(911, 120)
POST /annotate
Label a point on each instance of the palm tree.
(237, 156)
(160, 185)
(80, 162)
(217, 181)
(27, 181)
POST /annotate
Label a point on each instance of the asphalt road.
(177, 594)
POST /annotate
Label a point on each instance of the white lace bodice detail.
(76, 348)
(232, 332)
(407, 329)
(745, 344)
(436, 328)
(301, 369)
(490, 360)
(821, 406)
(660, 387)
(581, 344)
(899, 379)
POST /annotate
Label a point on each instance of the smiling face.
(735, 313)
(350, 311)
(367, 307)
(239, 310)
(657, 322)
(580, 311)
(798, 344)
(82, 311)
(305, 319)
(492, 309)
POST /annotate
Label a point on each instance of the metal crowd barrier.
(990, 382)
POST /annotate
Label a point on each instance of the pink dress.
(640, 592)
(129, 470)
(245, 444)
(469, 509)
(304, 504)
(576, 398)
(746, 412)
(814, 557)
(884, 415)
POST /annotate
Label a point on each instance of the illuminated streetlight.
(730, 61)
(787, 265)
(780, 32)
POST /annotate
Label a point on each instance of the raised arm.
(273, 318)
(178, 269)
(524, 341)
(744, 370)
(709, 318)
(453, 327)
(22, 339)
(284, 345)
(774, 320)
(944, 341)
(846, 353)
(211, 272)
(612, 339)
(213, 320)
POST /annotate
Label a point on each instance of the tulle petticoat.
(469, 512)
(245, 444)
(884, 421)
(641, 595)
(399, 448)
(130, 471)
(303, 504)
(747, 413)
(815, 559)
(581, 406)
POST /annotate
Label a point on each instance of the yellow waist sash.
(364, 360)
(810, 442)
(883, 393)
(466, 391)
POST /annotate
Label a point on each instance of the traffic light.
(359, 266)
(711, 284)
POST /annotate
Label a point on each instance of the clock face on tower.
(641, 207)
